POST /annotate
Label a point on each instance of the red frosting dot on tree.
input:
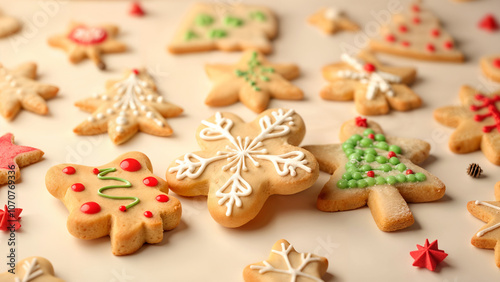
(123, 208)
(391, 154)
(430, 47)
(403, 28)
(416, 20)
(409, 171)
(435, 32)
(370, 173)
(448, 45)
(95, 171)
(148, 214)
(78, 187)
(69, 170)
(90, 208)
(390, 38)
(496, 63)
(405, 43)
(150, 181)
(415, 8)
(162, 198)
(371, 136)
(130, 165)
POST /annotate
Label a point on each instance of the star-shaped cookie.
(81, 41)
(488, 237)
(375, 88)
(122, 199)
(370, 168)
(477, 123)
(8, 25)
(18, 89)
(490, 65)
(12, 157)
(253, 81)
(332, 20)
(32, 269)
(128, 105)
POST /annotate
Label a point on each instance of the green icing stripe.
(190, 35)
(255, 72)
(204, 20)
(217, 33)
(101, 175)
(233, 21)
(258, 15)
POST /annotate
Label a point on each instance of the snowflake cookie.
(81, 41)
(477, 123)
(417, 33)
(8, 25)
(287, 265)
(253, 81)
(18, 89)
(375, 88)
(122, 199)
(34, 269)
(242, 164)
(128, 105)
(370, 168)
(12, 157)
(217, 26)
(488, 237)
(331, 20)
(490, 65)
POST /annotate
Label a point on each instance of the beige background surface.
(199, 249)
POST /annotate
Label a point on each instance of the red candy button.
(162, 198)
(148, 214)
(150, 181)
(78, 187)
(405, 43)
(130, 164)
(391, 154)
(69, 170)
(90, 208)
(435, 32)
(123, 208)
(95, 171)
(409, 171)
(370, 173)
(390, 38)
(403, 28)
(448, 45)
(430, 47)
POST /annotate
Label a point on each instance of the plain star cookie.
(12, 157)
(253, 81)
(32, 269)
(477, 123)
(417, 33)
(214, 26)
(490, 65)
(370, 168)
(332, 20)
(242, 164)
(81, 41)
(375, 88)
(19, 90)
(128, 105)
(122, 199)
(286, 264)
(8, 25)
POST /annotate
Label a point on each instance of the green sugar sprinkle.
(258, 16)
(255, 72)
(204, 20)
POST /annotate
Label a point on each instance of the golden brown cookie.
(81, 41)
(380, 171)
(417, 33)
(331, 20)
(375, 87)
(490, 65)
(241, 164)
(234, 27)
(12, 157)
(32, 269)
(128, 105)
(8, 25)
(477, 123)
(253, 81)
(18, 89)
(122, 199)
(286, 264)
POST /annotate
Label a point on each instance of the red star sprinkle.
(10, 219)
(136, 9)
(361, 122)
(428, 256)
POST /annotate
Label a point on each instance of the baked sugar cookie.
(32, 269)
(8, 25)
(490, 65)
(332, 20)
(370, 168)
(375, 88)
(242, 164)
(477, 123)
(13, 157)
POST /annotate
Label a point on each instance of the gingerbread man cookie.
(286, 264)
(81, 41)
(253, 81)
(8, 25)
(242, 164)
(34, 269)
(417, 33)
(211, 26)
(370, 168)
(490, 65)
(12, 157)
(477, 123)
(18, 89)
(122, 199)
(129, 105)
(375, 88)
(331, 20)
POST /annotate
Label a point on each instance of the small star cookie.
(12, 157)
(331, 20)
(8, 25)
(253, 81)
(81, 41)
(18, 89)
(129, 105)
(490, 65)
(34, 269)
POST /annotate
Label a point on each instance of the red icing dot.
(391, 154)
(162, 198)
(405, 43)
(370, 173)
(448, 45)
(390, 38)
(371, 136)
(130, 164)
(123, 208)
(403, 28)
(78, 187)
(369, 67)
(361, 122)
(95, 171)
(415, 8)
(148, 214)
(435, 32)
(69, 170)
(150, 181)
(430, 47)
(409, 171)
(90, 208)
(496, 63)
(416, 20)
(135, 71)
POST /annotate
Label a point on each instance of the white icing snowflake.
(32, 270)
(239, 152)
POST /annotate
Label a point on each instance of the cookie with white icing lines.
(241, 164)
(8, 25)
(490, 65)
(370, 168)
(32, 269)
(332, 20)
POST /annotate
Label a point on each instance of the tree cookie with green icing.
(32, 269)
(216, 26)
(122, 199)
(370, 168)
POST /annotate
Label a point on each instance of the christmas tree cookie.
(12, 157)
(234, 27)
(370, 168)
(375, 88)
(128, 105)
(242, 164)
(477, 123)
(32, 269)
(122, 199)
(417, 33)
(8, 25)
(332, 20)
(490, 65)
